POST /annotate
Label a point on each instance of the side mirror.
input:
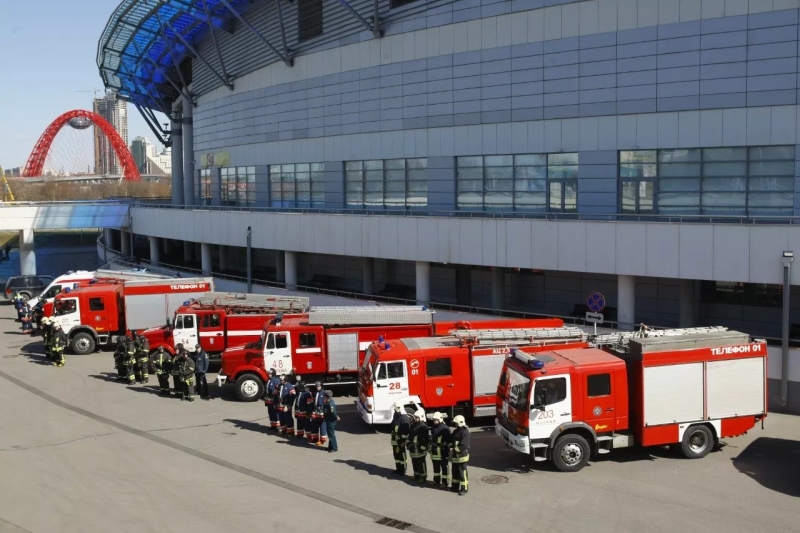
(169, 322)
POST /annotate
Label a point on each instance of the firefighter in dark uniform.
(143, 349)
(47, 330)
(19, 305)
(331, 417)
(176, 370)
(162, 364)
(187, 375)
(271, 399)
(119, 359)
(401, 425)
(38, 316)
(58, 345)
(287, 395)
(440, 452)
(459, 449)
(133, 352)
(131, 368)
(27, 320)
(308, 409)
(200, 369)
(419, 439)
(300, 409)
(319, 429)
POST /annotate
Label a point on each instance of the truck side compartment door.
(210, 332)
(440, 384)
(185, 331)
(599, 402)
(278, 352)
(99, 315)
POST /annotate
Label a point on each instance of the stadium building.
(506, 154)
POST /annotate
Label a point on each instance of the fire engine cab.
(457, 371)
(687, 388)
(218, 321)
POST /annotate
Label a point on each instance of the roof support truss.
(285, 57)
(171, 52)
(222, 77)
(214, 40)
(283, 32)
(374, 27)
(150, 119)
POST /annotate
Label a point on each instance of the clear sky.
(48, 51)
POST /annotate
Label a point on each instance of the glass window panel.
(678, 169)
(772, 168)
(671, 199)
(555, 172)
(499, 185)
(679, 184)
(536, 159)
(771, 184)
(498, 161)
(374, 186)
(251, 170)
(420, 163)
(303, 176)
(638, 170)
(530, 185)
(498, 199)
(373, 165)
(678, 156)
(523, 172)
(724, 199)
(317, 167)
(562, 159)
(646, 194)
(417, 175)
(769, 199)
(418, 187)
(394, 186)
(398, 176)
(725, 169)
(638, 156)
(274, 169)
(395, 164)
(472, 161)
(287, 168)
(317, 176)
(530, 200)
(353, 165)
(470, 173)
(470, 186)
(302, 167)
(725, 154)
(555, 195)
(570, 196)
(771, 153)
(724, 184)
(373, 175)
(503, 173)
(354, 176)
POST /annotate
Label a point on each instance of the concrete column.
(155, 249)
(177, 158)
(223, 258)
(205, 258)
(125, 243)
(27, 255)
(423, 283)
(167, 243)
(626, 302)
(688, 317)
(463, 285)
(188, 251)
(368, 264)
(498, 287)
(290, 269)
(188, 154)
(280, 266)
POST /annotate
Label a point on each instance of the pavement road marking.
(375, 517)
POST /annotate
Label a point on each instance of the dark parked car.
(27, 286)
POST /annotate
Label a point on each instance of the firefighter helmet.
(272, 372)
(179, 347)
(437, 417)
(420, 414)
(459, 421)
(160, 348)
(398, 406)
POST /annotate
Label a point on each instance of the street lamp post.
(788, 257)
(249, 254)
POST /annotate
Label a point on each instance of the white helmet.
(45, 320)
(459, 421)
(398, 406)
(420, 414)
(437, 417)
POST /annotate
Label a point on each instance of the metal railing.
(612, 217)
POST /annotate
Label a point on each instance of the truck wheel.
(249, 387)
(83, 344)
(571, 453)
(697, 442)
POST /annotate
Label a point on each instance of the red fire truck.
(458, 371)
(327, 344)
(687, 388)
(98, 314)
(218, 321)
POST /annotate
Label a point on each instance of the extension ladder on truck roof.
(481, 336)
(369, 316)
(621, 339)
(252, 303)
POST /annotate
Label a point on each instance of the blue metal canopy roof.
(144, 42)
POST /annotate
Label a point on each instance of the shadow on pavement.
(107, 376)
(773, 463)
(384, 472)
(256, 427)
(150, 389)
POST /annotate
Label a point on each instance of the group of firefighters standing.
(411, 432)
(133, 361)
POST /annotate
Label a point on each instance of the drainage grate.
(391, 522)
(494, 480)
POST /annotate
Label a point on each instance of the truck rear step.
(484, 410)
(606, 443)
(539, 451)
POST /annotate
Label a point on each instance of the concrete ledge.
(69, 215)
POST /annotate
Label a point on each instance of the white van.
(70, 279)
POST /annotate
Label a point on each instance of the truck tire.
(698, 441)
(249, 387)
(83, 344)
(571, 453)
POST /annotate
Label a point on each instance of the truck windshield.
(65, 307)
(519, 388)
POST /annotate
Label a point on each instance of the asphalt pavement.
(82, 452)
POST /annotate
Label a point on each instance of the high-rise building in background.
(148, 160)
(115, 111)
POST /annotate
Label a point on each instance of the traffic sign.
(594, 318)
(596, 302)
